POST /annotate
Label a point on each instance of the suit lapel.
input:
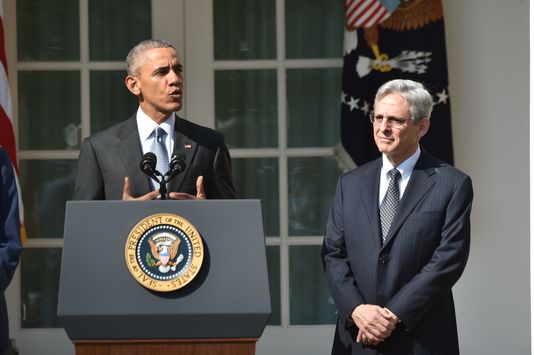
(130, 153)
(369, 188)
(185, 148)
(421, 181)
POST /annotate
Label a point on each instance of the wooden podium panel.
(166, 347)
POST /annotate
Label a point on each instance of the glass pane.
(111, 102)
(46, 186)
(311, 186)
(39, 287)
(258, 178)
(244, 29)
(273, 262)
(313, 107)
(314, 28)
(48, 30)
(246, 107)
(116, 26)
(49, 110)
(309, 299)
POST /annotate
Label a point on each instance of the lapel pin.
(187, 146)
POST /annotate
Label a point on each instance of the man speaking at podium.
(198, 165)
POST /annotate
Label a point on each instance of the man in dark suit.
(397, 241)
(10, 245)
(108, 167)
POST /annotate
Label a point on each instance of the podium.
(105, 310)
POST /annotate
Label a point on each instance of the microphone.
(177, 165)
(148, 165)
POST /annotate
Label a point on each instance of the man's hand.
(126, 194)
(185, 196)
(375, 323)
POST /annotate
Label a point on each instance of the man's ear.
(132, 84)
(424, 125)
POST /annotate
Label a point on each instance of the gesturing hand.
(185, 196)
(126, 192)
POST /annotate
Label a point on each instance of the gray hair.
(135, 58)
(414, 93)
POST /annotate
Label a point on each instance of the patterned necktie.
(390, 203)
(160, 150)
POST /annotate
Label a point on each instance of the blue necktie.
(160, 150)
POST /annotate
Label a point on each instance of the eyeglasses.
(392, 121)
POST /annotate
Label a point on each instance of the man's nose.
(385, 125)
(175, 77)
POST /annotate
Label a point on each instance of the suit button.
(383, 259)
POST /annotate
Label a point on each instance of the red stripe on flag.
(372, 19)
(383, 16)
(7, 138)
(365, 19)
(354, 10)
(364, 13)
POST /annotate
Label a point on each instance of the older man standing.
(397, 238)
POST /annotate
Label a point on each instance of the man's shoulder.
(117, 131)
(363, 170)
(202, 135)
(427, 161)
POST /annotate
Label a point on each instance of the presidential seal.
(164, 252)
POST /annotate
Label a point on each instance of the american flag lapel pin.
(187, 146)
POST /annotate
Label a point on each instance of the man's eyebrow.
(159, 69)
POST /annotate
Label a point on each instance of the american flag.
(7, 133)
(366, 13)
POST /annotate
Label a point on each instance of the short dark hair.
(135, 56)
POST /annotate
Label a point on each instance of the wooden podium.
(169, 347)
(105, 311)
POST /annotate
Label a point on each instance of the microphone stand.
(163, 188)
(148, 166)
(165, 180)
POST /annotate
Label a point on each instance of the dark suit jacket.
(10, 245)
(108, 156)
(413, 273)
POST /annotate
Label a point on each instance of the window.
(67, 89)
(277, 75)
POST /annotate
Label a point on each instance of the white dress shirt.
(405, 168)
(146, 126)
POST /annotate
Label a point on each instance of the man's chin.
(175, 108)
(385, 148)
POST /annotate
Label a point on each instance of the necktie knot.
(394, 174)
(160, 134)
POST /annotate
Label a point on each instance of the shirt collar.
(406, 167)
(146, 125)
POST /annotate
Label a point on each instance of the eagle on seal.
(164, 252)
